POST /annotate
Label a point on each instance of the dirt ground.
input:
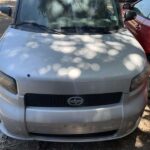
(139, 140)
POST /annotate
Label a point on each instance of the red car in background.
(140, 26)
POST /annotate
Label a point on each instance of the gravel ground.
(139, 140)
(4, 21)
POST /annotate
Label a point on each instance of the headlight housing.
(8, 83)
(140, 79)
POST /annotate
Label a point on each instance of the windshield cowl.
(64, 30)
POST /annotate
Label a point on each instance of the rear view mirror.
(130, 15)
(6, 10)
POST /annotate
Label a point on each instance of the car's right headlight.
(8, 83)
(140, 79)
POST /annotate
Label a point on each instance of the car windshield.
(70, 14)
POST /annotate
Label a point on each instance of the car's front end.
(82, 124)
(73, 87)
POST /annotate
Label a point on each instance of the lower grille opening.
(43, 100)
(90, 135)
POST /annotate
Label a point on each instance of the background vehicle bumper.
(62, 124)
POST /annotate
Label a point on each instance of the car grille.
(46, 100)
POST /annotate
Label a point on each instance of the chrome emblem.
(75, 101)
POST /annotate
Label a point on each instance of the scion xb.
(70, 72)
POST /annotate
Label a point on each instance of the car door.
(145, 35)
(140, 26)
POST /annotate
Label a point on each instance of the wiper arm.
(45, 28)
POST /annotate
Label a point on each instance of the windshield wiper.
(42, 27)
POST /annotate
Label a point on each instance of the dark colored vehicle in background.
(140, 26)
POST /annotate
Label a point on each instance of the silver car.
(70, 72)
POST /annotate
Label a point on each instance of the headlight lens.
(140, 79)
(8, 83)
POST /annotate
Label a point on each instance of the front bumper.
(61, 124)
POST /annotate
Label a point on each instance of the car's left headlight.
(8, 83)
(140, 79)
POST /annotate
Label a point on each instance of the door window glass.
(143, 8)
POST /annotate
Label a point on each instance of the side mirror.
(130, 15)
(127, 6)
(6, 10)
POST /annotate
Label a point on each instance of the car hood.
(115, 57)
